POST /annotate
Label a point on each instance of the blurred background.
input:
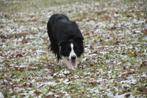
(114, 63)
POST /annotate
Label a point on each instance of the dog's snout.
(73, 57)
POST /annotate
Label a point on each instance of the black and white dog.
(66, 39)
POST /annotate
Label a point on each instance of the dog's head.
(72, 50)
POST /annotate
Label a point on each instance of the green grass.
(31, 5)
(112, 64)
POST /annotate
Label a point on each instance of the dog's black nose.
(73, 57)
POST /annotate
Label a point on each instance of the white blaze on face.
(72, 52)
(69, 63)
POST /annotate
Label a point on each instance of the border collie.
(66, 39)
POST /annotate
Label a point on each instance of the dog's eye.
(75, 48)
(69, 48)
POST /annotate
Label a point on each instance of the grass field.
(114, 63)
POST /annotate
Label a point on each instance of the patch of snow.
(130, 80)
(47, 83)
(126, 95)
(66, 81)
(1, 95)
(67, 95)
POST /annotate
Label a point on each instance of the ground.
(114, 64)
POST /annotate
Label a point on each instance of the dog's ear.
(78, 32)
(61, 43)
(79, 39)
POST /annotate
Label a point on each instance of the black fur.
(62, 32)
